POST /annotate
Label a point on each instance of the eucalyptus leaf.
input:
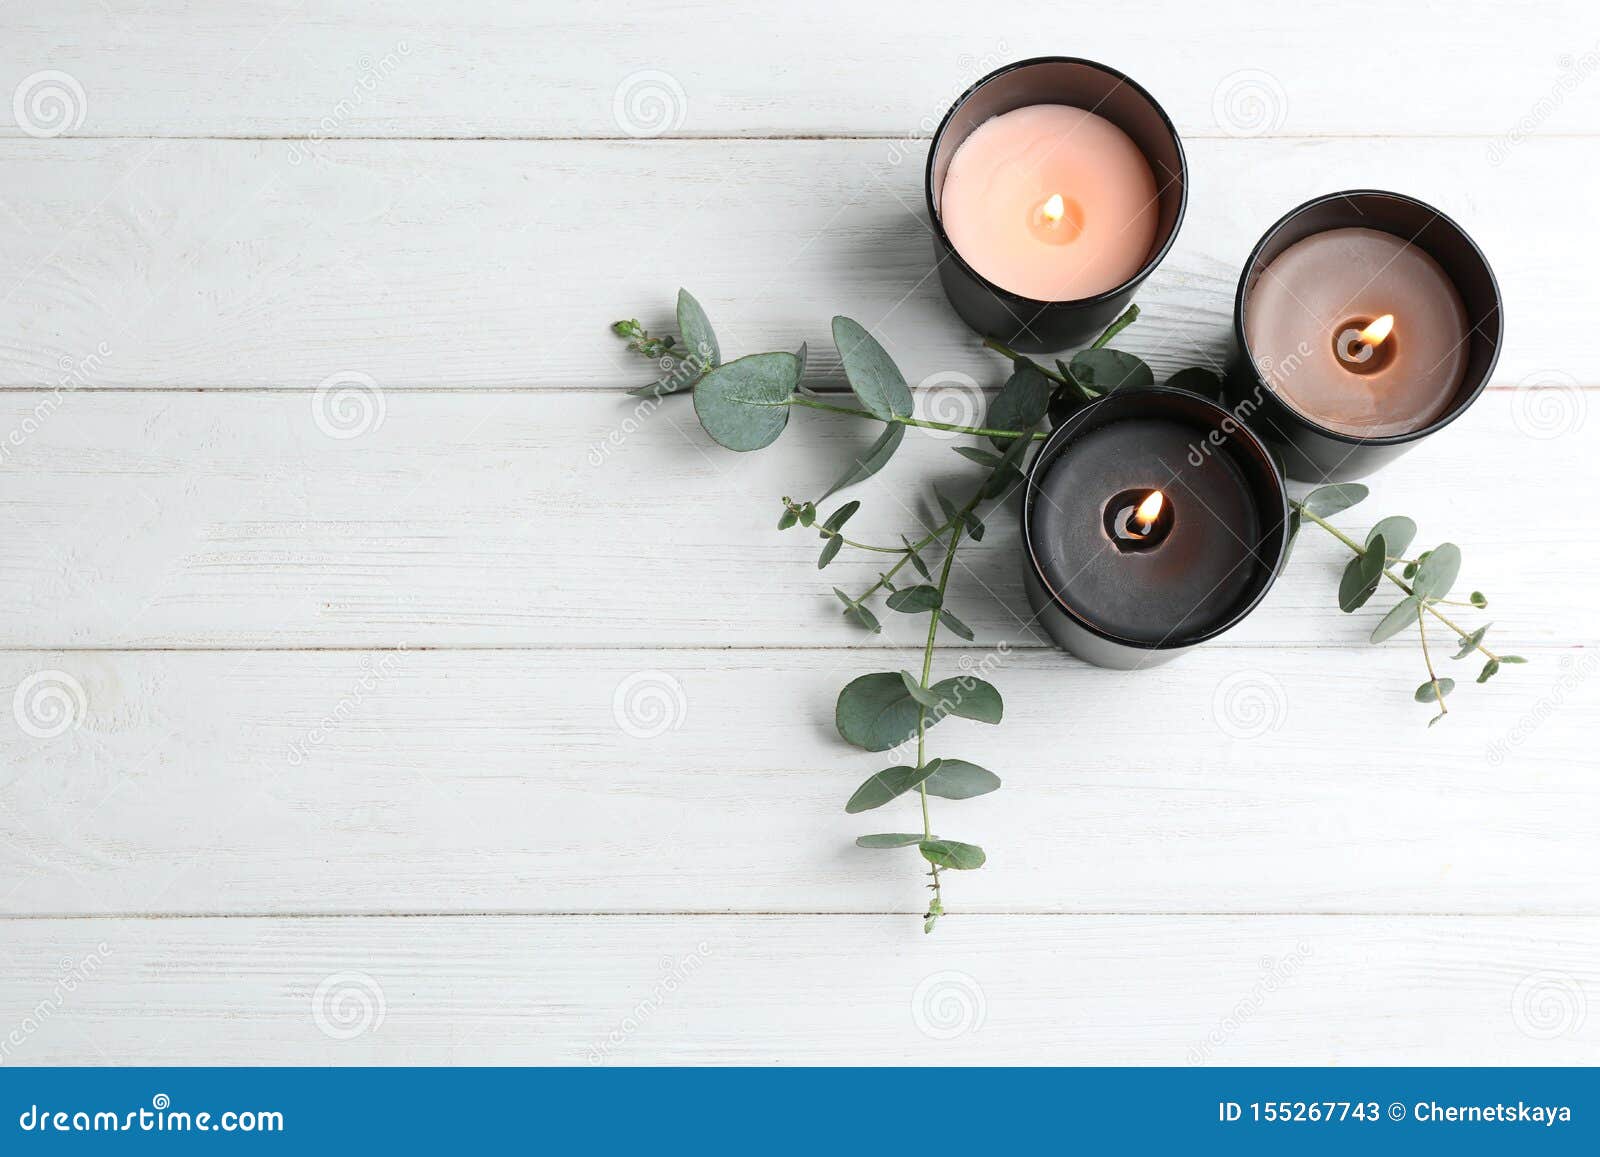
(1478, 599)
(1197, 380)
(743, 405)
(1436, 573)
(889, 840)
(1021, 402)
(1107, 369)
(875, 712)
(958, 779)
(1512, 659)
(969, 697)
(1490, 669)
(916, 559)
(1400, 616)
(952, 854)
(829, 550)
(1470, 643)
(808, 514)
(1361, 576)
(948, 507)
(1291, 533)
(1326, 500)
(788, 518)
(979, 455)
(697, 332)
(917, 691)
(914, 600)
(1398, 532)
(1429, 693)
(888, 784)
(839, 517)
(872, 373)
(873, 459)
(975, 527)
(956, 625)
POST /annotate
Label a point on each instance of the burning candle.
(1151, 523)
(1055, 186)
(1051, 202)
(1365, 322)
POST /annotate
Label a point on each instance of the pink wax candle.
(1051, 202)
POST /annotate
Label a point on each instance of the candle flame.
(1054, 209)
(1374, 334)
(1149, 510)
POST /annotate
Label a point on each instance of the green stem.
(950, 427)
(927, 673)
(1355, 546)
(884, 578)
(1427, 659)
(1128, 317)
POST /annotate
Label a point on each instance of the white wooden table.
(343, 766)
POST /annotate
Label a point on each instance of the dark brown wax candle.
(1151, 523)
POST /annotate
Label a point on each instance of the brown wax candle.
(1309, 324)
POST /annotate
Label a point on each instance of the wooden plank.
(798, 990)
(617, 781)
(500, 68)
(211, 264)
(548, 519)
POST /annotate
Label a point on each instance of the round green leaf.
(873, 375)
(743, 404)
(958, 779)
(1197, 380)
(1326, 500)
(1107, 370)
(952, 854)
(968, 697)
(1429, 693)
(876, 712)
(1437, 573)
(1398, 532)
(1020, 404)
(914, 600)
(1361, 576)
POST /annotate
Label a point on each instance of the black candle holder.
(1218, 442)
(1312, 452)
(1023, 323)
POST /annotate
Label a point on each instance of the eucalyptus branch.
(904, 420)
(1431, 575)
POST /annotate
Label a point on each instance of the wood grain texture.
(620, 781)
(797, 990)
(209, 264)
(562, 68)
(566, 519)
